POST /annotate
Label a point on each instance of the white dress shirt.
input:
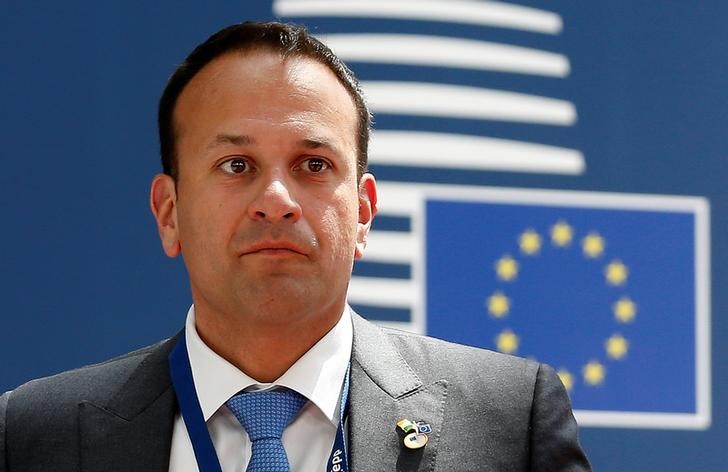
(318, 375)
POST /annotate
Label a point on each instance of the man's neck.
(264, 351)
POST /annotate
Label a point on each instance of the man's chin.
(290, 307)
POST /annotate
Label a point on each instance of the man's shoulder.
(433, 359)
(95, 382)
(452, 357)
(41, 421)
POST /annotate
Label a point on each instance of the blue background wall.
(82, 276)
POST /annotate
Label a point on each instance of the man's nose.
(275, 202)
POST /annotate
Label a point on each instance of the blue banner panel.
(606, 294)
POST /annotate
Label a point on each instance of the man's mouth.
(273, 248)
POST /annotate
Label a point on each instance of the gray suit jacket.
(488, 412)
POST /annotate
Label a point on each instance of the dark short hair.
(287, 40)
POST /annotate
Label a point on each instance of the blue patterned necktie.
(265, 415)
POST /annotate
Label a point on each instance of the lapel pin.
(423, 427)
(413, 434)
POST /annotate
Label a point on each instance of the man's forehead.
(249, 73)
(262, 66)
(239, 95)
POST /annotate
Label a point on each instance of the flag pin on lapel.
(413, 433)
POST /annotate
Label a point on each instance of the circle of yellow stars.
(616, 274)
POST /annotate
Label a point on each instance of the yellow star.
(529, 242)
(561, 233)
(567, 379)
(593, 245)
(507, 341)
(594, 373)
(498, 305)
(616, 273)
(506, 268)
(617, 347)
(624, 310)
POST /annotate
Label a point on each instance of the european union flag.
(609, 290)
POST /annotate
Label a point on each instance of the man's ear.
(163, 201)
(367, 210)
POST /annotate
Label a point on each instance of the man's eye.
(315, 164)
(235, 166)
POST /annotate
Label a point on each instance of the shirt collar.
(318, 374)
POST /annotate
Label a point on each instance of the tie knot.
(266, 414)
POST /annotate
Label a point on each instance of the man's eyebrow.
(318, 143)
(234, 139)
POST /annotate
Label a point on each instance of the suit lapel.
(133, 430)
(384, 390)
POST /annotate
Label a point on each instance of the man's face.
(267, 212)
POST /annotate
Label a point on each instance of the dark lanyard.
(189, 405)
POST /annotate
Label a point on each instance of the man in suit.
(265, 194)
